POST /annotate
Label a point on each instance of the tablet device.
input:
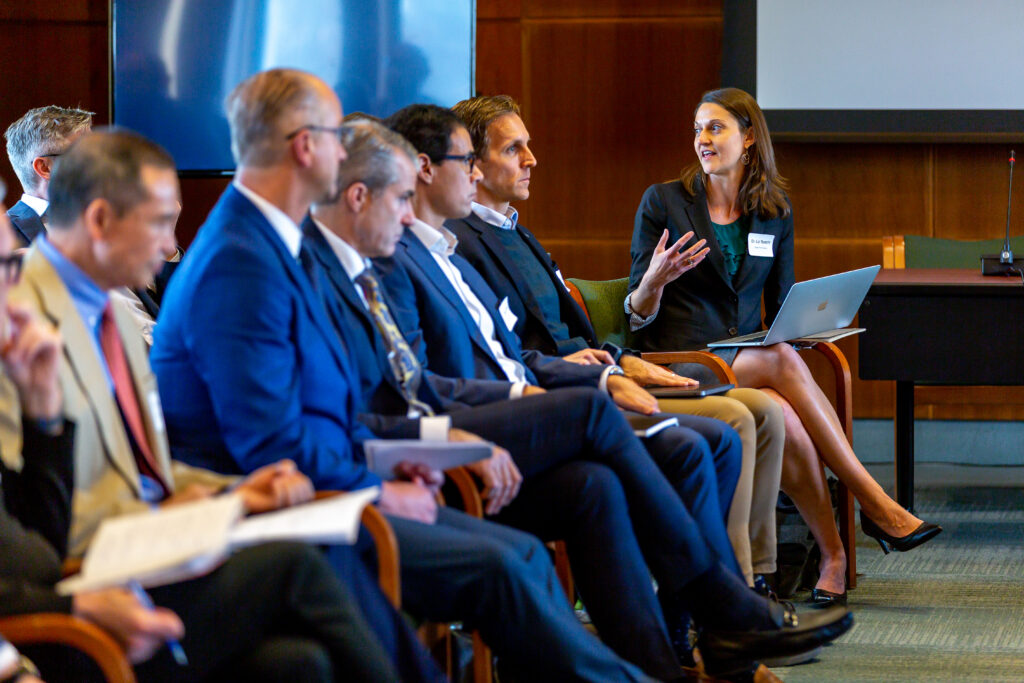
(690, 392)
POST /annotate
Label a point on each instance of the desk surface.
(944, 276)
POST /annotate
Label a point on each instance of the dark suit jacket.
(35, 515)
(480, 246)
(26, 223)
(440, 327)
(248, 363)
(704, 304)
(383, 401)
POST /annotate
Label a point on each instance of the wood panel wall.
(607, 89)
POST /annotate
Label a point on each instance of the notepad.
(383, 455)
(181, 542)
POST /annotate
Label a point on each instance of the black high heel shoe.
(822, 598)
(925, 532)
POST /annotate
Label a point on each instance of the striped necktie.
(406, 368)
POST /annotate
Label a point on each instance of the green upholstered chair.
(918, 251)
(599, 301)
(602, 300)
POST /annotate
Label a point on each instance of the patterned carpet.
(951, 610)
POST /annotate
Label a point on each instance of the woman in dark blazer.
(732, 202)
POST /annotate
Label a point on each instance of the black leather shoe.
(925, 532)
(822, 598)
(792, 634)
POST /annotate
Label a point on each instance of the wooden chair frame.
(63, 629)
(98, 645)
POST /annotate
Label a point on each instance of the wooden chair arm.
(71, 566)
(843, 383)
(388, 570)
(62, 629)
(472, 502)
(721, 369)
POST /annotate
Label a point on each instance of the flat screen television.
(174, 61)
(878, 70)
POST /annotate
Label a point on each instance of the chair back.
(918, 251)
(602, 302)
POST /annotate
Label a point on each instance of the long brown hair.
(763, 190)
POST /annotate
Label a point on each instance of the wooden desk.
(939, 326)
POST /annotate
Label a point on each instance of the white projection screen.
(881, 69)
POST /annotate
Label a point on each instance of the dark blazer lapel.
(240, 204)
(490, 301)
(346, 289)
(500, 258)
(420, 258)
(700, 223)
(26, 222)
(579, 325)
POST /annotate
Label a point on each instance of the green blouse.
(732, 239)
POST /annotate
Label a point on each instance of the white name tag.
(156, 411)
(507, 315)
(760, 245)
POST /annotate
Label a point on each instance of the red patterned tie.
(124, 390)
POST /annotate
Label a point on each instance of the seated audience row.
(278, 337)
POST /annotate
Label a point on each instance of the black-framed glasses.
(468, 159)
(52, 155)
(10, 267)
(339, 131)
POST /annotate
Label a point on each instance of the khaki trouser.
(759, 421)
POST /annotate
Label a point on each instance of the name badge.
(507, 315)
(156, 411)
(760, 245)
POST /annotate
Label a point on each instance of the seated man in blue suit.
(467, 333)
(251, 369)
(574, 427)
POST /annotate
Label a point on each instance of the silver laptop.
(814, 309)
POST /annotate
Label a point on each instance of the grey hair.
(257, 107)
(43, 130)
(371, 149)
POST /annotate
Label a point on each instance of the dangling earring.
(745, 159)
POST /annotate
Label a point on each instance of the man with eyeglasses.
(34, 143)
(270, 611)
(251, 369)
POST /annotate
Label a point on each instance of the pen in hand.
(177, 651)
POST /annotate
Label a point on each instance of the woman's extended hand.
(667, 264)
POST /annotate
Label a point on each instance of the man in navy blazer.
(574, 448)
(516, 266)
(251, 369)
(34, 142)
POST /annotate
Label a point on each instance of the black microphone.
(1004, 262)
(1007, 255)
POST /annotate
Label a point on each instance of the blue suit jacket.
(382, 396)
(248, 362)
(26, 223)
(440, 327)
